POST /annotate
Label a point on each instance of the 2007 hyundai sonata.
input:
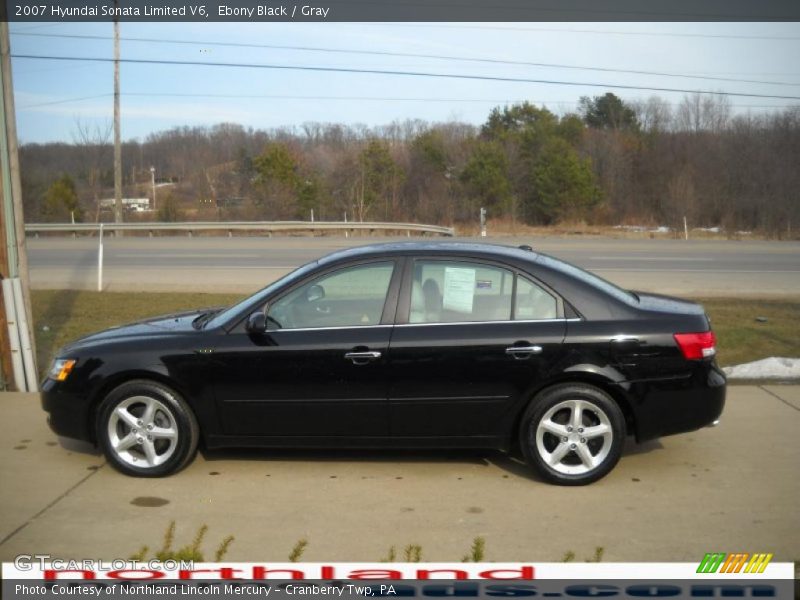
(423, 345)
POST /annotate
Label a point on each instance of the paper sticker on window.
(484, 284)
(459, 289)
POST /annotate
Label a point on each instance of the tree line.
(610, 162)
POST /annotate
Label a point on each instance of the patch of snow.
(768, 368)
(708, 229)
(642, 228)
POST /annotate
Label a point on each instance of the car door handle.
(521, 352)
(362, 358)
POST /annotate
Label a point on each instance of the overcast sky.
(51, 96)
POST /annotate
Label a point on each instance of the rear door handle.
(362, 358)
(624, 339)
(521, 352)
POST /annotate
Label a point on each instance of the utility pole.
(153, 179)
(14, 268)
(117, 133)
(6, 374)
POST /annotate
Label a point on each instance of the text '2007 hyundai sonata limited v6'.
(422, 345)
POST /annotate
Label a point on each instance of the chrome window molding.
(425, 324)
(328, 328)
(495, 322)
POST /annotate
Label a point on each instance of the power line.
(495, 61)
(779, 38)
(496, 101)
(402, 74)
(64, 101)
(348, 98)
(395, 99)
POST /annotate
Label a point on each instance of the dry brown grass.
(506, 227)
(740, 338)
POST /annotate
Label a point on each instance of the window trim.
(404, 303)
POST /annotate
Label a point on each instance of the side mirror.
(315, 293)
(257, 323)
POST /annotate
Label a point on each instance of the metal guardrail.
(231, 226)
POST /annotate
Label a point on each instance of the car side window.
(350, 297)
(454, 291)
(533, 302)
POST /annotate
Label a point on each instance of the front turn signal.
(61, 368)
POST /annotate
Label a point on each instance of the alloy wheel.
(142, 432)
(574, 437)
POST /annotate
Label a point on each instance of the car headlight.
(61, 368)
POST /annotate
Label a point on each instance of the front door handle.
(523, 352)
(362, 358)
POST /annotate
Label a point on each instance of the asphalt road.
(244, 264)
(731, 488)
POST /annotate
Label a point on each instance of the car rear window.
(588, 278)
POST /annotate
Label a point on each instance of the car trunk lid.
(668, 304)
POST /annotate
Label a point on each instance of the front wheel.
(572, 434)
(146, 429)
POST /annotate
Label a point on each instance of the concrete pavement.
(245, 264)
(732, 488)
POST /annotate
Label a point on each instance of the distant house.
(132, 204)
(231, 202)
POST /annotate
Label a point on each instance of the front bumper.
(68, 412)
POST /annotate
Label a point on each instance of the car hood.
(176, 323)
(668, 304)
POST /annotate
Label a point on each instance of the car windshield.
(260, 296)
(589, 278)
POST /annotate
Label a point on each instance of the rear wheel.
(146, 429)
(572, 434)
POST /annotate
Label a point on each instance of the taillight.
(696, 346)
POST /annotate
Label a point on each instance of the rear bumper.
(669, 406)
(68, 412)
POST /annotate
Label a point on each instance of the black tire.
(119, 426)
(554, 410)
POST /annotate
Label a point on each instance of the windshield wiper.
(200, 321)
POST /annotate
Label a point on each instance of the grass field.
(61, 316)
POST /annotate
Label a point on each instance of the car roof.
(431, 247)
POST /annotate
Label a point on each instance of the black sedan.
(422, 345)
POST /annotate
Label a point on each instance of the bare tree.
(94, 142)
(653, 114)
(704, 112)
